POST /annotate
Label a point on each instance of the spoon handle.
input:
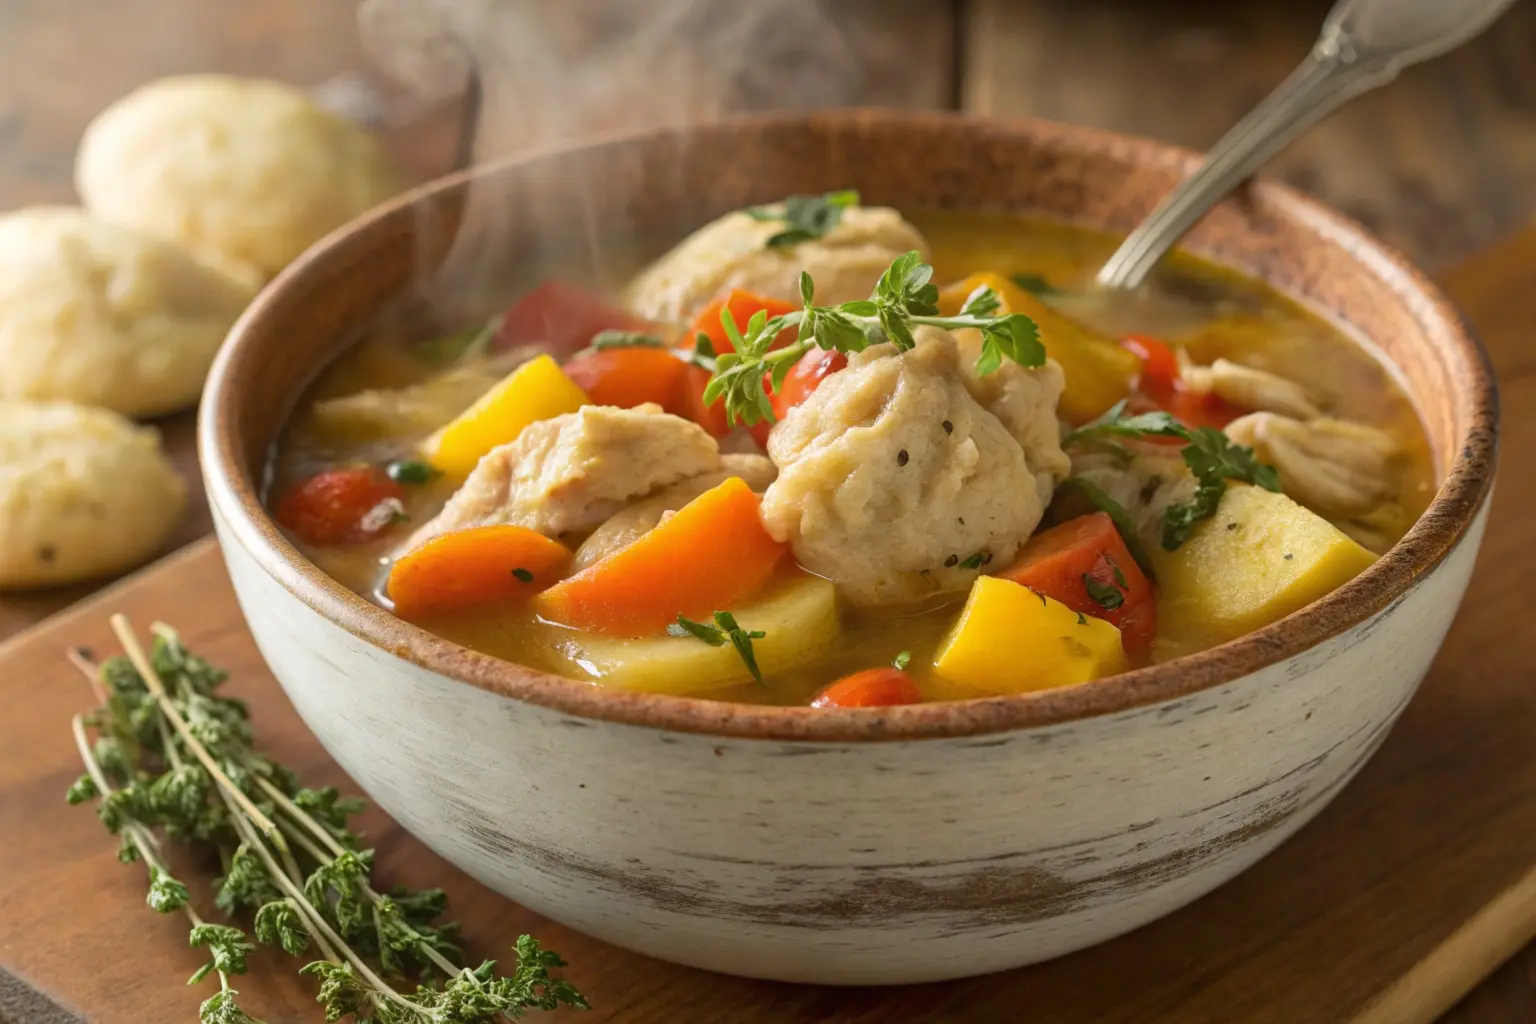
(1329, 77)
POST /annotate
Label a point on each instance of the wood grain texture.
(1435, 826)
(1440, 163)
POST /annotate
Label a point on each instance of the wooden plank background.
(1441, 164)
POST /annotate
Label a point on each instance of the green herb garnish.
(1117, 515)
(412, 471)
(523, 574)
(1034, 284)
(1210, 455)
(459, 346)
(174, 756)
(804, 217)
(602, 341)
(1105, 595)
(904, 298)
(976, 561)
(902, 660)
(724, 631)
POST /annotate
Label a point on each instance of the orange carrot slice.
(1084, 564)
(473, 567)
(707, 556)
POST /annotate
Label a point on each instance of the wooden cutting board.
(1386, 909)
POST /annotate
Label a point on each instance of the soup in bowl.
(815, 577)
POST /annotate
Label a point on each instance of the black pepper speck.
(901, 457)
(952, 560)
(949, 428)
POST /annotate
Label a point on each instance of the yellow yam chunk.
(798, 617)
(1259, 558)
(1098, 371)
(1010, 639)
(537, 390)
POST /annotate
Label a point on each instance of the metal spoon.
(1364, 44)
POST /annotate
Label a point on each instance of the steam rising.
(554, 71)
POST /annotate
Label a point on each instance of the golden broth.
(1210, 311)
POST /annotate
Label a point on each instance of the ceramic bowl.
(853, 847)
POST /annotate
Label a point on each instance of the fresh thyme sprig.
(726, 630)
(173, 755)
(1210, 455)
(904, 298)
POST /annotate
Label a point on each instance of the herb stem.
(140, 836)
(316, 920)
(298, 814)
(143, 840)
(88, 668)
(308, 845)
(146, 670)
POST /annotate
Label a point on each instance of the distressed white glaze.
(854, 863)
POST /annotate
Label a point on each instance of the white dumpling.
(732, 252)
(893, 479)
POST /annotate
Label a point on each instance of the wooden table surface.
(1442, 164)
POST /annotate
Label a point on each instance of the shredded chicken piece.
(572, 472)
(1248, 388)
(1335, 467)
(894, 482)
(628, 525)
(1154, 478)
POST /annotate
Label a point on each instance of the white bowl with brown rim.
(856, 846)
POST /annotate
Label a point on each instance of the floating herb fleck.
(412, 471)
(724, 631)
(523, 574)
(976, 561)
(1105, 595)
(1034, 284)
(902, 660)
(805, 217)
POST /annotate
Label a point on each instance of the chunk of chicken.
(1155, 477)
(1025, 399)
(629, 524)
(732, 252)
(1248, 388)
(1331, 466)
(893, 478)
(572, 472)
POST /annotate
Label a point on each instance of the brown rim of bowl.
(1468, 480)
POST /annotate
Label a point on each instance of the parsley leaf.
(805, 217)
(976, 561)
(904, 298)
(1034, 284)
(1117, 514)
(725, 631)
(902, 660)
(1105, 595)
(1208, 452)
